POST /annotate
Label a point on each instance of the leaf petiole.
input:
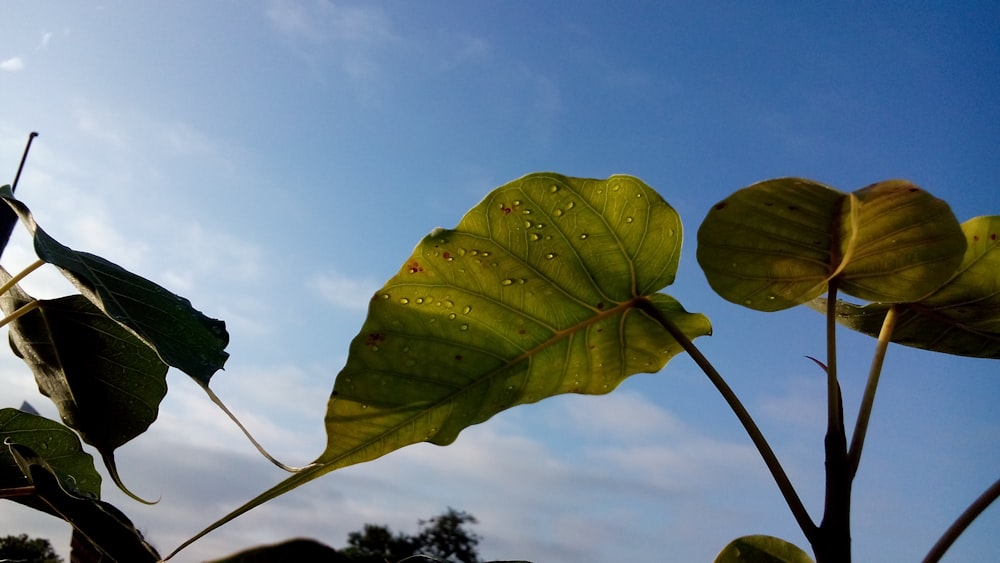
(799, 511)
(864, 413)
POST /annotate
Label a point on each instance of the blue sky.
(276, 162)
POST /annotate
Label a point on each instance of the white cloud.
(343, 292)
(13, 64)
(46, 37)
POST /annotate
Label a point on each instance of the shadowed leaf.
(181, 335)
(534, 293)
(762, 549)
(57, 444)
(778, 243)
(99, 524)
(106, 383)
(962, 317)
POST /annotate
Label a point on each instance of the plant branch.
(962, 522)
(799, 511)
(24, 157)
(864, 413)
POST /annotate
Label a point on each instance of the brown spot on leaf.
(374, 339)
(720, 205)
(414, 267)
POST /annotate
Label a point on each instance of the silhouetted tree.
(443, 538)
(29, 550)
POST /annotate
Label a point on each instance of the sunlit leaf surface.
(181, 335)
(778, 243)
(535, 293)
(762, 549)
(962, 317)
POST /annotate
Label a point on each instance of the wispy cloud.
(46, 37)
(342, 291)
(13, 64)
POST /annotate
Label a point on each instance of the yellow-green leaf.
(779, 243)
(536, 292)
(762, 549)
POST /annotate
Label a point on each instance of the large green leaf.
(762, 549)
(106, 383)
(537, 292)
(181, 335)
(962, 317)
(779, 243)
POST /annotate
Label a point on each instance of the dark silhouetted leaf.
(535, 293)
(57, 444)
(106, 383)
(181, 335)
(778, 243)
(107, 530)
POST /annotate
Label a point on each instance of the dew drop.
(533, 237)
(486, 253)
(615, 188)
(550, 255)
(386, 296)
(452, 316)
(526, 212)
(748, 302)
(364, 406)
(404, 301)
(638, 195)
(539, 225)
(557, 212)
(507, 281)
(628, 219)
(431, 320)
(449, 303)
(584, 236)
(570, 205)
(553, 189)
(461, 252)
(527, 224)
(467, 310)
(463, 327)
(406, 349)
(517, 202)
(374, 348)
(474, 252)
(420, 300)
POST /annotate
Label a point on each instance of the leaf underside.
(779, 243)
(962, 317)
(182, 336)
(533, 294)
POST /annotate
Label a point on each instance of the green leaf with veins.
(961, 317)
(106, 383)
(57, 444)
(99, 528)
(779, 243)
(536, 292)
(182, 336)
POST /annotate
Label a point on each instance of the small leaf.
(762, 549)
(779, 243)
(962, 317)
(59, 445)
(181, 335)
(537, 292)
(106, 383)
(104, 527)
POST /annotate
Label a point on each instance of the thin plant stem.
(962, 522)
(24, 157)
(799, 511)
(864, 413)
(835, 409)
(20, 312)
(21, 275)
